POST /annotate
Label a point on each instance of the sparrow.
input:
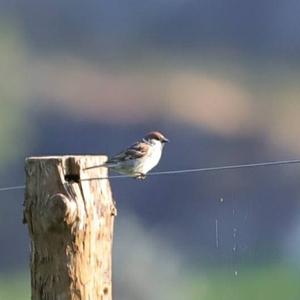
(138, 159)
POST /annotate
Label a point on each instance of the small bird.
(138, 159)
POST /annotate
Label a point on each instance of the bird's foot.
(140, 176)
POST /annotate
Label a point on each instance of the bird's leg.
(140, 176)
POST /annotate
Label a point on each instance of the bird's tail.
(105, 165)
(96, 166)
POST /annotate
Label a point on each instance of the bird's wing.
(135, 151)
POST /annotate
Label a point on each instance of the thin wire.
(209, 169)
(11, 188)
(184, 171)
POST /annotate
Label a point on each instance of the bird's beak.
(166, 140)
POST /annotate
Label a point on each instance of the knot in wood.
(60, 211)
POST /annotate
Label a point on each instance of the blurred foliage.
(14, 286)
(222, 79)
(265, 282)
(272, 282)
(14, 129)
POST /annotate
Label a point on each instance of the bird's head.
(155, 137)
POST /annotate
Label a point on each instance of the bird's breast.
(152, 159)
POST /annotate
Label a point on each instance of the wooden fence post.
(70, 224)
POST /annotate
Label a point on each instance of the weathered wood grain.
(70, 223)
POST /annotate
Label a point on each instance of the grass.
(14, 286)
(272, 282)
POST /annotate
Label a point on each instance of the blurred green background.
(221, 79)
